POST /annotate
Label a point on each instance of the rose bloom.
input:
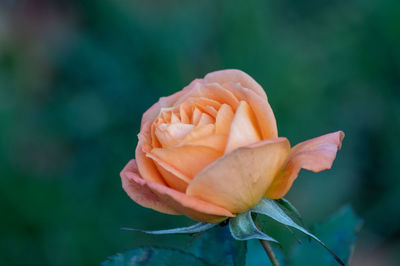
(212, 150)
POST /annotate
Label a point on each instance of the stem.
(271, 254)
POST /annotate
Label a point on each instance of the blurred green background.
(76, 76)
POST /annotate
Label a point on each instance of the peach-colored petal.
(184, 115)
(216, 142)
(205, 119)
(198, 133)
(192, 207)
(316, 155)
(196, 116)
(146, 166)
(224, 119)
(171, 179)
(262, 109)
(169, 168)
(171, 134)
(187, 159)
(163, 102)
(235, 76)
(243, 130)
(238, 180)
(212, 91)
(138, 191)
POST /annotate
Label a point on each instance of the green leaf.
(290, 208)
(196, 228)
(217, 247)
(151, 256)
(269, 208)
(242, 227)
(338, 232)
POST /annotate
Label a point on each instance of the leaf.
(151, 256)
(242, 227)
(338, 232)
(269, 208)
(196, 228)
(290, 208)
(217, 247)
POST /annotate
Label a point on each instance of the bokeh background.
(76, 76)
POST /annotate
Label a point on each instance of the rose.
(212, 150)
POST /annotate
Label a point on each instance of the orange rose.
(212, 150)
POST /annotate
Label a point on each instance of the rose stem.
(271, 254)
(267, 247)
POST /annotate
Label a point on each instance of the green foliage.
(219, 248)
(338, 233)
(215, 247)
(196, 228)
(151, 256)
(242, 227)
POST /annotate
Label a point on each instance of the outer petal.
(238, 180)
(166, 200)
(236, 76)
(146, 166)
(137, 190)
(315, 155)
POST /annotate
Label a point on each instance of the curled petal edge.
(315, 155)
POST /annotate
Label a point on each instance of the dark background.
(76, 76)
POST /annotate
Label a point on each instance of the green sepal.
(242, 227)
(196, 228)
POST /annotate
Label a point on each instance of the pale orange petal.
(216, 142)
(238, 180)
(164, 102)
(236, 76)
(243, 130)
(262, 109)
(184, 115)
(224, 119)
(198, 133)
(138, 191)
(205, 119)
(171, 134)
(187, 159)
(146, 166)
(316, 155)
(212, 91)
(171, 178)
(196, 116)
(192, 207)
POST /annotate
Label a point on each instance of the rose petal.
(171, 134)
(138, 191)
(243, 130)
(224, 119)
(187, 159)
(205, 119)
(236, 76)
(171, 178)
(163, 102)
(316, 155)
(238, 180)
(260, 106)
(192, 207)
(211, 91)
(146, 166)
